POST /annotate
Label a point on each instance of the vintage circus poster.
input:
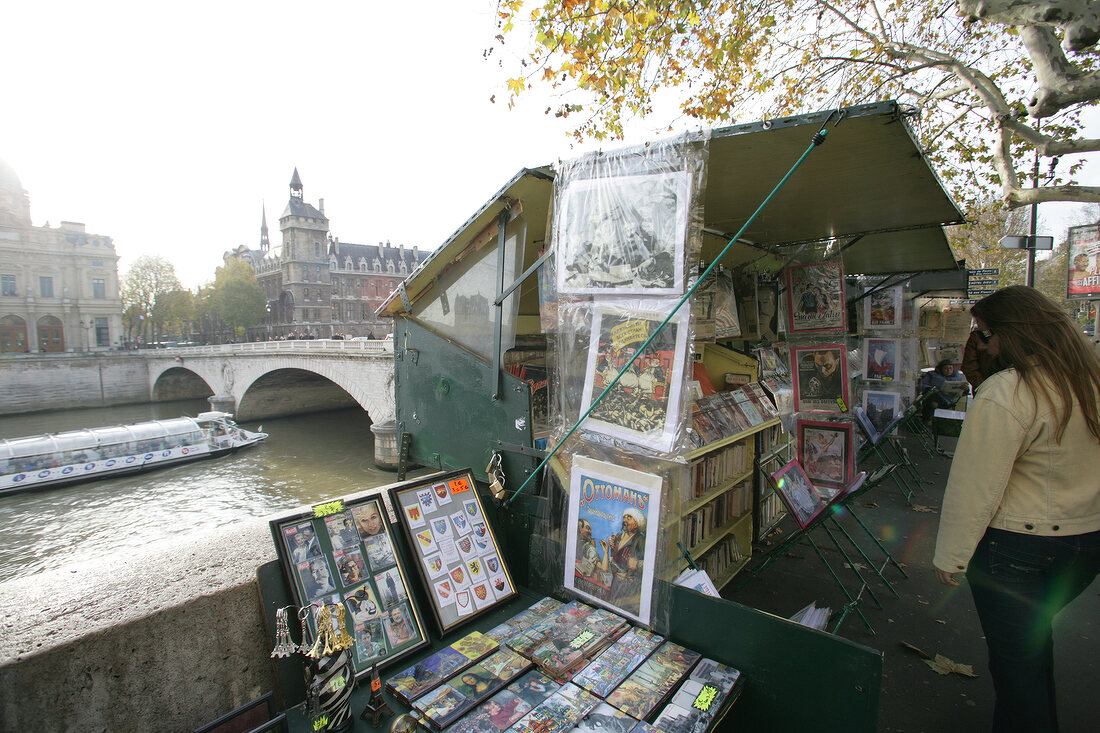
(611, 547)
(643, 406)
(815, 297)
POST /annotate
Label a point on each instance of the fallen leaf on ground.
(871, 504)
(918, 650)
(941, 621)
(929, 509)
(943, 665)
(856, 565)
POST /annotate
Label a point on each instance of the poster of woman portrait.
(815, 297)
(610, 561)
(643, 406)
(622, 234)
(825, 452)
(820, 375)
(798, 493)
(882, 308)
(880, 359)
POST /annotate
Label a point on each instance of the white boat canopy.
(77, 440)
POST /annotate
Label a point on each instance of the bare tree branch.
(1079, 19)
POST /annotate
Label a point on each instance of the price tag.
(332, 507)
(458, 485)
(843, 406)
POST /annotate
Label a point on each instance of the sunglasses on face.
(983, 335)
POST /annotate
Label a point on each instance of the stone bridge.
(266, 379)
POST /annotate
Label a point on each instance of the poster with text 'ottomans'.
(463, 571)
(611, 548)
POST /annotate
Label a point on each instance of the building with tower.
(59, 288)
(315, 284)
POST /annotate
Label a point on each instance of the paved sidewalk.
(932, 617)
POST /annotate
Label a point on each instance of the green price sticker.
(841, 403)
(332, 507)
(705, 698)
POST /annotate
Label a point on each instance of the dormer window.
(389, 267)
(347, 263)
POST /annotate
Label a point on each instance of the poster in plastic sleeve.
(825, 451)
(883, 411)
(1083, 278)
(820, 378)
(881, 359)
(611, 546)
(799, 494)
(643, 406)
(623, 235)
(882, 308)
(815, 297)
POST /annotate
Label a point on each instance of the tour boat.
(51, 460)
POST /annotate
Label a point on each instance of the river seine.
(306, 459)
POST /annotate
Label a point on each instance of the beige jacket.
(1009, 473)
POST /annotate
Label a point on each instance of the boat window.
(461, 305)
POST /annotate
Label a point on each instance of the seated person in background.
(944, 372)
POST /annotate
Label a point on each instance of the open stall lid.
(868, 187)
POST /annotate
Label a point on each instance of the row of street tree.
(157, 307)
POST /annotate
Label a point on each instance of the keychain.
(496, 477)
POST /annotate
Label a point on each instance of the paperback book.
(556, 624)
(524, 620)
(563, 654)
(650, 685)
(441, 707)
(606, 719)
(489, 676)
(411, 683)
(559, 712)
(609, 669)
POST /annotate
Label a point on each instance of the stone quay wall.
(166, 639)
(42, 382)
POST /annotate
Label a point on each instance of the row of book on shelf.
(717, 561)
(697, 526)
(718, 467)
(558, 667)
(722, 414)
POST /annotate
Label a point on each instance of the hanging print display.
(882, 308)
(880, 360)
(798, 493)
(462, 569)
(611, 546)
(815, 297)
(883, 411)
(825, 452)
(341, 554)
(623, 235)
(820, 378)
(644, 405)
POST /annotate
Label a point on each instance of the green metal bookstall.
(467, 311)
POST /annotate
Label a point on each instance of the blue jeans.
(1020, 582)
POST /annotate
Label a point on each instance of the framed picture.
(342, 554)
(644, 405)
(881, 359)
(883, 410)
(882, 308)
(815, 297)
(798, 493)
(767, 310)
(611, 543)
(820, 375)
(622, 235)
(825, 453)
(456, 553)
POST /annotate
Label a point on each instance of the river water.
(306, 459)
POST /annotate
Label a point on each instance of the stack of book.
(429, 673)
(723, 414)
(568, 650)
(650, 686)
(466, 690)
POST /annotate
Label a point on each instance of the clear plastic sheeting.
(626, 232)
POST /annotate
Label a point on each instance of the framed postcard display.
(342, 553)
(644, 405)
(825, 452)
(623, 235)
(882, 308)
(457, 556)
(881, 359)
(799, 494)
(820, 375)
(815, 297)
(611, 542)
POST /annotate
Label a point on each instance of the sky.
(169, 126)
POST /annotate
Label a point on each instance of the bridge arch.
(179, 383)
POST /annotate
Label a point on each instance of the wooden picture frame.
(825, 452)
(343, 552)
(456, 554)
(820, 378)
(798, 493)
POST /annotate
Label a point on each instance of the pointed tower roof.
(265, 242)
(295, 185)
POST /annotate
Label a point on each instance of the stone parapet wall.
(167, 639)
(48, 382)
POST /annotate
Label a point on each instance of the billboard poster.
(1083, 278)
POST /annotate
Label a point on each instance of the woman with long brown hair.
(1021, 513)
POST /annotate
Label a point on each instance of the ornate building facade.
(59, 288)
(317, 285)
